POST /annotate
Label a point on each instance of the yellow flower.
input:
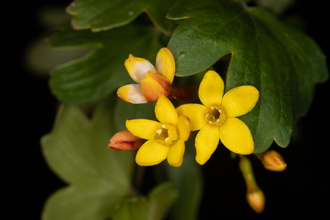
(165, 138)
(152, 81)
(217, 117)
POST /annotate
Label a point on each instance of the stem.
(246, 169)
(182, 93)
(138, 178)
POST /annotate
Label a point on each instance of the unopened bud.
(125, 140)
(254, 195)
(272, 160)
(256, 200)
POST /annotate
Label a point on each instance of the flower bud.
(256, 200)
(272, 160)
(154, 85)
(125, 140)
(255, 197)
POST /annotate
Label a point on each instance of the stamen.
(214, 115)
(167, 133)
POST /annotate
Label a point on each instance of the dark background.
(29, 111)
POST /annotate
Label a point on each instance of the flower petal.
(240, 100)
(151, 153)
(131, 93)
(165, 64)
(151, 88)
(175, 153)
(138, 68)
(211, 88)
(165, 111)
(236, 136)
(206, 142)
(184, 127)
(143, 128)
(195, 113)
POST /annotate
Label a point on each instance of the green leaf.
(276, 6)
(102, 71)
(76, 150)
(103, 15)
(125, 111)
(187, 181)
(282, 63)
(71, 203)
(154, 207)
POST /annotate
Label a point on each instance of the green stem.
(138, 178)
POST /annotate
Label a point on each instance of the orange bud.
(154, 85)
(254, 195)
(273, 161)
(256, 200)
(125, 140)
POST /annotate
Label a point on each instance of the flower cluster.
(152, 81)
(215, 118)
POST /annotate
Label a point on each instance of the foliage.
(246, 45)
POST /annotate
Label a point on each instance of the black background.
(29, 110)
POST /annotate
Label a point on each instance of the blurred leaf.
(154, 207)
(74, 204)
(125, 111)
(102, 71)
(276, 6)
(187, 181)
(282, 63)
(41, 59)
(103, 15)
(76, 151)
(51, 16)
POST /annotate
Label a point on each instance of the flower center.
(216, 116)
(167, 133)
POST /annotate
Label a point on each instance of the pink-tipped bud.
(125, 140)
(254, 195)
(256, 200)
(273, 161)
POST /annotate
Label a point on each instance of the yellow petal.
(165, 64)
(143, 128)
(195, 113)
(210, 90)
(175, 153)
(206, 142)
(151, 88)
(131, 93)
(138, 68)
(165, 111)
(151, 153)
(240, 100)
(236, 136)
(184, 127)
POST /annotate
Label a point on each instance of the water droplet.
(182, 55)
(130, 13)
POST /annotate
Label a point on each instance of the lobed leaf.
(282, 63)
(76, 151)
(103, 15)
(101, 71)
